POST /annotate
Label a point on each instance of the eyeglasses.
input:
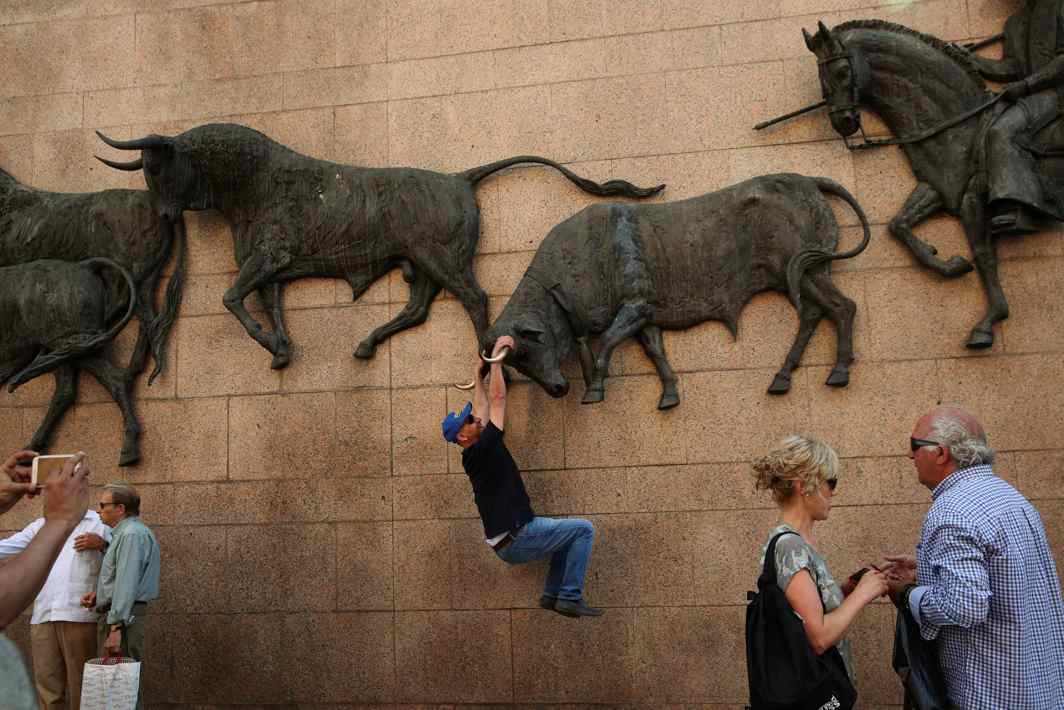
(915, 444)
(832, 484)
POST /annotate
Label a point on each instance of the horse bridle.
(861, 74)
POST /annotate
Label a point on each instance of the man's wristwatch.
(905, 595)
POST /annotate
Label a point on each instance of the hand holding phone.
(44, 466)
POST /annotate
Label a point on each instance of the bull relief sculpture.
(293, 216)
(621, 270)
(996, 161)
(57, 316)
(118, 225)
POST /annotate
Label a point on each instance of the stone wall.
(320, 546)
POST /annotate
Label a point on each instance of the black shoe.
(568, 607)
(547, 602)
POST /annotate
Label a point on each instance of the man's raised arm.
(497, 386)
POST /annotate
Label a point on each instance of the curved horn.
(131, 165)
(808, 39)
(471, 385)
(137, 144)
(501, 356)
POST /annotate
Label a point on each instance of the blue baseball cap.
(454, 421)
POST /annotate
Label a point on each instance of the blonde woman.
(802, 474)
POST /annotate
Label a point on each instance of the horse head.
(843, 73)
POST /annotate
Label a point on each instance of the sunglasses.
(915, 444)
(832, 484)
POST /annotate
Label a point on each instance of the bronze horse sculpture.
(932, 96)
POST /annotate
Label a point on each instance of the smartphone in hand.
(45, 466)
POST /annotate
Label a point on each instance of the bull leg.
(463, 284)
(66, 391)
(271, 297)
(809, 317)
(630, 319)
(422, 291)
(650, 338)
(256, 272)
(922, 203)
(113, 379)
(973, 215)
(841, 310)
(138, 361)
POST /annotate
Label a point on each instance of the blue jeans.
(568, 542)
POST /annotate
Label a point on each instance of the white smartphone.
(45, 466)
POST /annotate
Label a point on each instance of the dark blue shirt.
(498, 489)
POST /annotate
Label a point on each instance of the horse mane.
(958, 55)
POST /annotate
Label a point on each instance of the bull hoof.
(668, 400)
(280, 361)
(593, 396)
(957, 266)
(980, 339)
(781, 384)
(838, 378)
(365, 351)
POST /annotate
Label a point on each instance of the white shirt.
(73, 575)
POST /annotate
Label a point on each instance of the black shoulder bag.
(784, 671)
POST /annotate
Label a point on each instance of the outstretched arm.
(497, 386)
(996, 69)
(480, 397)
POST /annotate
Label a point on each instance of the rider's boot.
(1011, 217)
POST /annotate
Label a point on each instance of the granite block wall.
(320, 545)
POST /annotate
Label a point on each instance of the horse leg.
(809, 317)
(922, 203)
(650, 338)
(841, 310)
(422, 292)
(66, 391)
(973, 215)
(113, 379)
(630, 319)
(271, 297)
(256, 272)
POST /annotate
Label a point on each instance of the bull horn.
(152, 141)
(501, 356)
(130, 166)
(471, 385)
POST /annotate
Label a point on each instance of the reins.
(867, 143)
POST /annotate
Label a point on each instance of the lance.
(792, 114)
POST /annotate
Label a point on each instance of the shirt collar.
(123, 522)
(961, 474)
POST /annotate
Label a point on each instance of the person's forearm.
(1049, 75)
(22, 578)
(480, 399)
(996, 69)
(497, 388)
(834, 624)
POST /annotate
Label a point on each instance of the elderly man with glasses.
(511, 529)
(129, 575)
(983, 582)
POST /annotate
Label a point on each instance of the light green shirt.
(16, 692)
(129, 572)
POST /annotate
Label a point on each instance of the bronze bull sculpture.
(618, 270)
(293, 216)
(55, 316)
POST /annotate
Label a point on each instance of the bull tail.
(82, 343)
(159, 329)
(606, 189)
(808, 258)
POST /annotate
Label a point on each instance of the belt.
(507, 539)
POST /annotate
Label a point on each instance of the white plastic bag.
(110, 684)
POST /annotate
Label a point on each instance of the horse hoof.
(980, 339)
(280, 361)
(838, 378)
(593, 396)
(781, 384)
(668, 401)
(957, 266)
(365, 351)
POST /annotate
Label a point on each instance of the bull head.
(173, 182)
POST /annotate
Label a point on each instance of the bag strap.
(768, 570)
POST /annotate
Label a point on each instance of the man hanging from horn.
(511, 529)
(1033, 66)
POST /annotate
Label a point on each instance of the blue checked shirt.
(990, 594)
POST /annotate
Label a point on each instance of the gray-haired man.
(129, 574)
